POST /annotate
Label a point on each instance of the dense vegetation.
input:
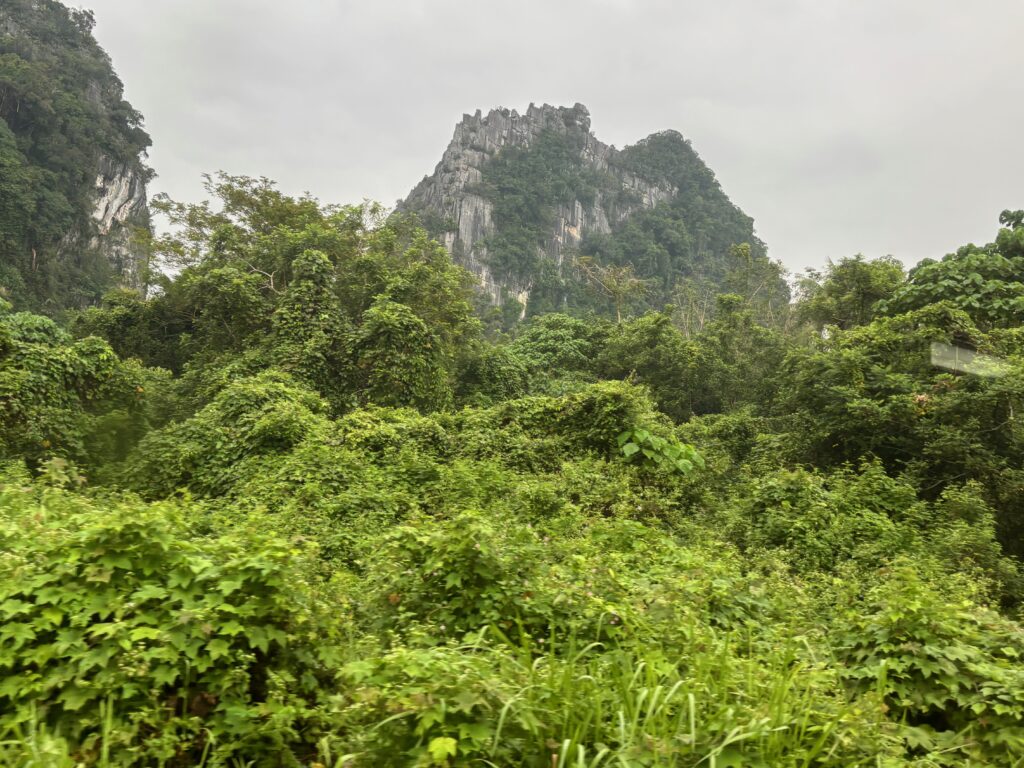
(686, 245)
(302, 506)
(61, 111)
(299, 509)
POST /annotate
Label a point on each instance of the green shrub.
(949, 670)
(124, 635)
(267, 414)
(459, 575)
(74, 400)
(434, 706)
(658, 452)
(820, 521)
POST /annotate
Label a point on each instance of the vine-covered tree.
(847, 293)
(987, 282)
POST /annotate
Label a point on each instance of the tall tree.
(986, 282)
(620, 285)
(847, 293)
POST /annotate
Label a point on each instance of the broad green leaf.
(441, 748)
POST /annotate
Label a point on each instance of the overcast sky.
(841, 126)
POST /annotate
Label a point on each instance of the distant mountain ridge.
(516, 196)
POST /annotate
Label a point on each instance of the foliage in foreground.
(511, 634)
(352, 530)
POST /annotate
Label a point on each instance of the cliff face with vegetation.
(72, 181)
(517, 197)
(459, 205)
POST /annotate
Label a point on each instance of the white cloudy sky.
(841, 126)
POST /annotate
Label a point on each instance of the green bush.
(134, 641)
(948, 670)
(251, 418)
(73, 400)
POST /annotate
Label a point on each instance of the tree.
(309, 331)
(66, 399)
(846, 295)
(737, 361)
(619, 284)
(650, 350)
(758, 280)
(986, 282)
(693, 303)
(399, 360)
(555, 344)
(270, 280)
(1012, 219)
(872, 391)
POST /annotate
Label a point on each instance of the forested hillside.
(549, 218)
(72, 184)
(301, 508)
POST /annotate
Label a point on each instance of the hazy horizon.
(840, 128)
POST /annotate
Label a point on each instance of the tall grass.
(724, 703)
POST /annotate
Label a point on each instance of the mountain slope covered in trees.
(72, 185)
(551, 219)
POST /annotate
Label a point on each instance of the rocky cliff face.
(120, 208)
(454, 208)
(74, 176)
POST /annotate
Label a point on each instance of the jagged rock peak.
(462, 218)
(510, 124)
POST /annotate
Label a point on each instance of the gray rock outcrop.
(449, 196)
(119, 210)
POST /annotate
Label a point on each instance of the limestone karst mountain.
(517, 198)
(72, 178)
